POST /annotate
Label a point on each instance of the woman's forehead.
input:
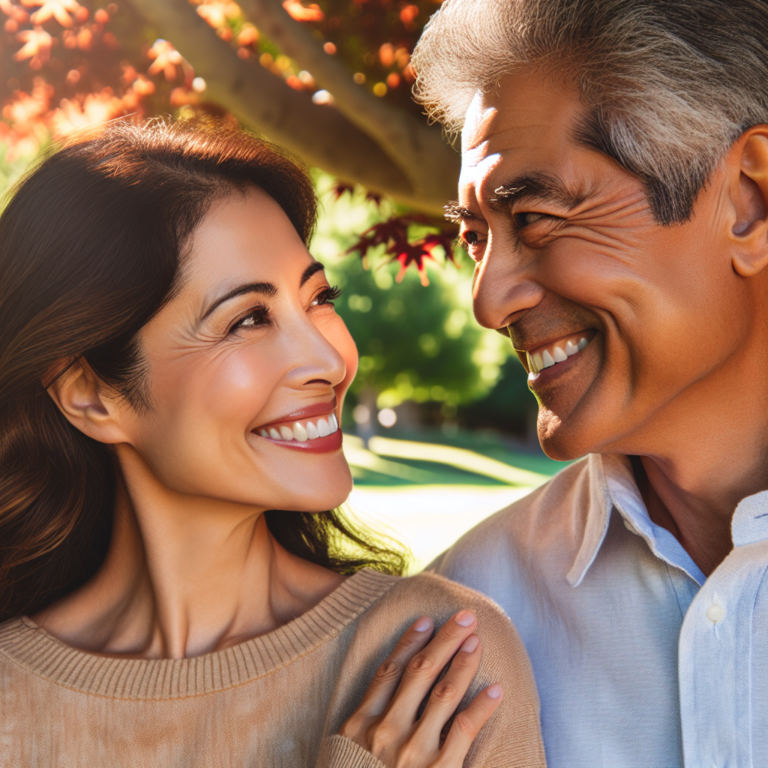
(244, 236)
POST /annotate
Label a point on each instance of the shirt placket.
(716, 664)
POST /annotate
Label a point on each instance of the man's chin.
(561, 440)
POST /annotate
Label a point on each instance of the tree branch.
(321, 135)
(408, 140)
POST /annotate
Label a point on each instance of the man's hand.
(386, 722)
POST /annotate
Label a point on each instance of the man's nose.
(505, 287)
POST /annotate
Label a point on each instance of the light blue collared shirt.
(640, 661)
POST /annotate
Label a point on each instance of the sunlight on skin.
(191, 567)
(674, 314)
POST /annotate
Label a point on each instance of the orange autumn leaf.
(53, 9)
(165, 59)
(93, 109)
(37, 45)
(300, 12)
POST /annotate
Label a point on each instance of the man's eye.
(470, 237)
(328, 296)
(526, 217)
(256, 318)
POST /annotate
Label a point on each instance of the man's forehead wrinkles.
(474, 174)
(476, 125)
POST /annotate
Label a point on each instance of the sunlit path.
(427, 495)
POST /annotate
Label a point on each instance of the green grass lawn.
(427, 492)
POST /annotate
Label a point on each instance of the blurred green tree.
(416, 342)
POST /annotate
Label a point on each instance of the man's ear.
(87, 404)
(749, 198)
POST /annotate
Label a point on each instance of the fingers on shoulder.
(467, 723)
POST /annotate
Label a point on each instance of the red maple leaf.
(393, 235)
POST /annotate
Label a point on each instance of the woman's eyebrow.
(267, 289)
(312, 269)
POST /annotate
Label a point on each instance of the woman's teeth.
(556, 353)
(303, 430)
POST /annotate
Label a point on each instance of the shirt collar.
(596, 526)
(612, 486)
(750, 520)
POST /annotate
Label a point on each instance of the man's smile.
(558, 351)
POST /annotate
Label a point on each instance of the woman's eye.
(328, 296)
(256, 318)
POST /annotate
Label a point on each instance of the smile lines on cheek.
(305, 430)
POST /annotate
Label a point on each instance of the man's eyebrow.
(536, 186)
(266, 289)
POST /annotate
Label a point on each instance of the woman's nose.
(315, 359)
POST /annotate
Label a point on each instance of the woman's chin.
(319, 494)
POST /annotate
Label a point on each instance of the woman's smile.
(314, 429)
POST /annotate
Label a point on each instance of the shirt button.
(715, 613)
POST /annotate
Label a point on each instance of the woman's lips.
(302, 430)
(319, 445)
(319, 434)
(308, 412)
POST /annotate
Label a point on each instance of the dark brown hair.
(90, 248)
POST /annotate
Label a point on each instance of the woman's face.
(248, 367)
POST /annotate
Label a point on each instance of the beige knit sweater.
(272, 701)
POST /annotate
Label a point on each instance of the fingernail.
(423, 624)
(470, 644)
(494, 691)
(465, 618)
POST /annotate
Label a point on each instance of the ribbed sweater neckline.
(33, 648)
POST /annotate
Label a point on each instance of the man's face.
(637, 318)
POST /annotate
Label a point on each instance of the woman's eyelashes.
(260, 316)
(257, 317)
(327, 296)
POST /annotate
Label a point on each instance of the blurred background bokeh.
(439, 425)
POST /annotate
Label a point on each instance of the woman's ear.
(749, 198)
(87, 404)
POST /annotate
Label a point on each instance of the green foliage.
(415, 342)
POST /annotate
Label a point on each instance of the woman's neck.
(183, 576)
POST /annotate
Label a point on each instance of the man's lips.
(543, 356)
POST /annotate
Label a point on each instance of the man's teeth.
(558, 354)
(304, 430)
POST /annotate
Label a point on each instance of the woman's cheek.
(239, 379)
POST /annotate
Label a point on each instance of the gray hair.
(668, 85)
